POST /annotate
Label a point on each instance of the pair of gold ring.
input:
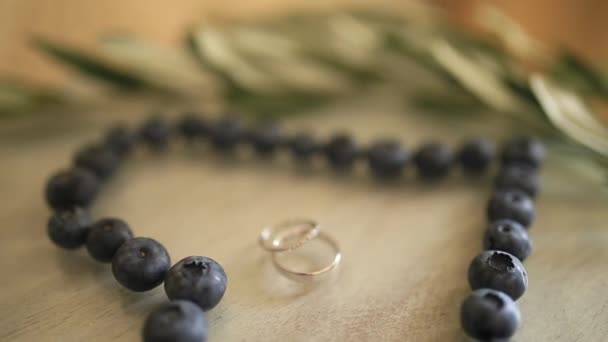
(290, 235)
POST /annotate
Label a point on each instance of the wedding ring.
(291, 235)
(313, 275)
(288, 235)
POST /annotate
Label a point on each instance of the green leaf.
(17, 97)
(571, 71)
(168, 70)
(88, 64)
(570, 114)
(262, 105)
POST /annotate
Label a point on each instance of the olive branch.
(287, 65)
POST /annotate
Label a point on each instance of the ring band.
(310, 276)
(274, 238)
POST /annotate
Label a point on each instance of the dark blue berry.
(303, 146)
(106, 236)
(476, 155)
(387, 158)
(176, 321)
(499, 271)
(511, 204)
(140, 264)
(68, 228)
(508, 236)
(73, 187)
(156, 132)
(433, 160)
(99, 159)
(519, 177)
(489, 315)
(342, 151)
(524, 150)
(226, 133)
(197, 279)
(120, 139)
(193, 126)
(265, 138)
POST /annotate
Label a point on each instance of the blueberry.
(433, 160)
(226, 133)
(176, 321)
(476, 155)
(511, 204)
(519, 177)
(524, 150)
(106, 236)
(192, 126)
(156, 132)
(197, 279)
(69, 188)
(68, 228)
(99, 159)
(265, 138)
(120, 139)
(303, 146)
(508, 236)
(387, 158)
(342, 151)
(489, 315)
(499, 271)
(140, 264)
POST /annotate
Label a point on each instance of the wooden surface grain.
(406, 245)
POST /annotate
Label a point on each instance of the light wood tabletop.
(406, 245)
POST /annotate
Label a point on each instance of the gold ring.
(288, 235)
(310, 276)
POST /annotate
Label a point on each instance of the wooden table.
(406, 245)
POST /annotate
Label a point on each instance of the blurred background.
(578, 24)
(539, 66)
